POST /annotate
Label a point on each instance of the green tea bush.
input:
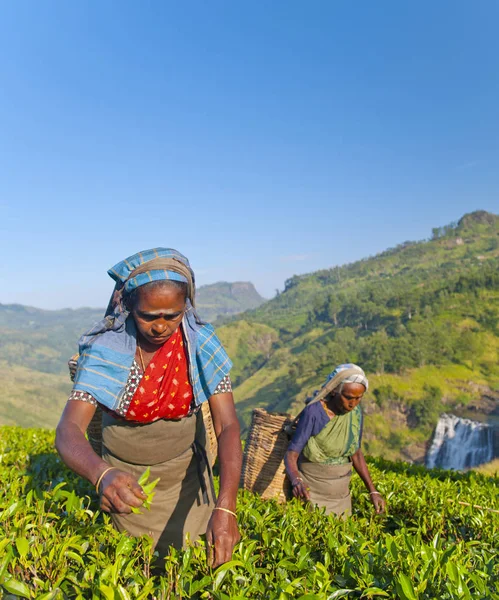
(433, 543)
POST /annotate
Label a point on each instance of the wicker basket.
(263, 463)
(94, 429)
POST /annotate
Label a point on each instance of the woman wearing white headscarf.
(326, 444)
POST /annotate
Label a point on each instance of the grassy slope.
(491, 468)
(31, 398)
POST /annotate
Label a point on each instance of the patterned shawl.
(108, 349)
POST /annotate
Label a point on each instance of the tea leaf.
(16, 587)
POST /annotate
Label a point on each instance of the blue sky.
(262, 139)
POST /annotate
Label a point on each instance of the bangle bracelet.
(231, 512)
(375, 492)
(102, 475)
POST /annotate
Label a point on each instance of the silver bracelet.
(293, 483)
(375, 492)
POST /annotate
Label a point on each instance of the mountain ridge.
(226, 298)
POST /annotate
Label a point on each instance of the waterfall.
(460, 443)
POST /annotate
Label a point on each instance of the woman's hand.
(378, 501)
(300, 489)
(359, 464)
(119, 492)
(222, 535)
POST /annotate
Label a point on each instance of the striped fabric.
(122, 270)
(107, 351)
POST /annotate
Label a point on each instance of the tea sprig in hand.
(148, 489)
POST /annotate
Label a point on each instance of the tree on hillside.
(427, 409)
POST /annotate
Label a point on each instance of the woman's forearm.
(299, 488)
(230, 459)
(76, 452)
(291, 464)
(360, 465)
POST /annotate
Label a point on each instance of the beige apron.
(180, 507)
(329, 486)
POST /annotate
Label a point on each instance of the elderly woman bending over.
(326, 444)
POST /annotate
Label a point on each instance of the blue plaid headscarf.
(108, 349)
(122, 271)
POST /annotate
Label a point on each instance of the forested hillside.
(421, 319)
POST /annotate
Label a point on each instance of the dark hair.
(131, 298)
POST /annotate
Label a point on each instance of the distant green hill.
(421, 318)
(35, 345)
(43, 340)
(31, 398)
(223, 298)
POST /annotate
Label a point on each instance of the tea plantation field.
(55, 544)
